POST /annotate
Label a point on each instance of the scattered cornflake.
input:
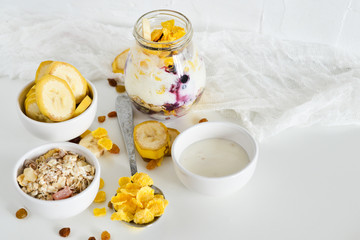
(100, 197)
(142, 178)
(123, 181)
(99, 133)
(101, 185)
(99, 212)
(105, 143)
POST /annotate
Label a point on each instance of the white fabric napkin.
(265, 84)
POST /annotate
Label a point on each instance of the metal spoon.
(125, 118)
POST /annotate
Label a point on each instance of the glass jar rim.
(163, 46)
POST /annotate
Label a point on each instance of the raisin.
(75, 140)
(101, 119)
(21, 213)
(184, 78)
(203, 120)
(112, 114)
(105, 235)
(112, 82)
(64, 232)
(92, 238)
(110, 205)
(115, 149)
(120, 88)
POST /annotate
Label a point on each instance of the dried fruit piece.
(112, 114)
(55, 98)
(101, 119)
(75, 140)
(105, 143)
(92, 238)
(101, 185)
(21, 213)
(118, 64)
(64, 232)
(115, 149)
(203, 120)
(151, 139)
(100, 197)
(110, 205)
(153, 163)
(112, 82)
(84, 104)
(63, 193)
(120, 88)
(99, 212)
(105, 235)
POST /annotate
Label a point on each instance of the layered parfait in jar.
(164, 74)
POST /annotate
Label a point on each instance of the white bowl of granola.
(57, 180)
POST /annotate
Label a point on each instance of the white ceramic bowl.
(59, 131)
(64, 208)
(215, 185)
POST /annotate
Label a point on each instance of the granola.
(49, 175)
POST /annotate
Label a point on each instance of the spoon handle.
(125, 118)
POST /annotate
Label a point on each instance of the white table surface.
(305, 185)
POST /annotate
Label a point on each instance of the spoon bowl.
(125, 118)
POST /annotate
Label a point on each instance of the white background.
(306, 185)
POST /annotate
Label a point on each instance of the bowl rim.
(252, 161)
(87, 153)
(69, 121)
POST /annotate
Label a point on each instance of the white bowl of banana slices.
(59, 105)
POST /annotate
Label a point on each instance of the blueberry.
(184, 78)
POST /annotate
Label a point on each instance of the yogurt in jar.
(164, 79)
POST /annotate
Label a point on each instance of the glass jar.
(165, 78)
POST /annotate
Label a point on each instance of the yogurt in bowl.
(215, 158)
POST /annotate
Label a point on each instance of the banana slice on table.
(72, 76)
(118, 64)
(55, 98)
(42, 70)
(91, 143)
(151, 139)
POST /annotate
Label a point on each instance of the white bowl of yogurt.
(215, 158)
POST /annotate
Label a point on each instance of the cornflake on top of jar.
(55, 175)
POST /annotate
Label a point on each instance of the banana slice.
(91, 143)
(173, 133)
(146, 29)
(55, 98)
(151, 139)
(118, 64)
(85, 103)
(42, 70)
(31, 91)
(72, 76)
(32, 110)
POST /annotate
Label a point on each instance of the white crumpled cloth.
(265, 84)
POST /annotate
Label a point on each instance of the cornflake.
(55, 171)
(135, 200)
